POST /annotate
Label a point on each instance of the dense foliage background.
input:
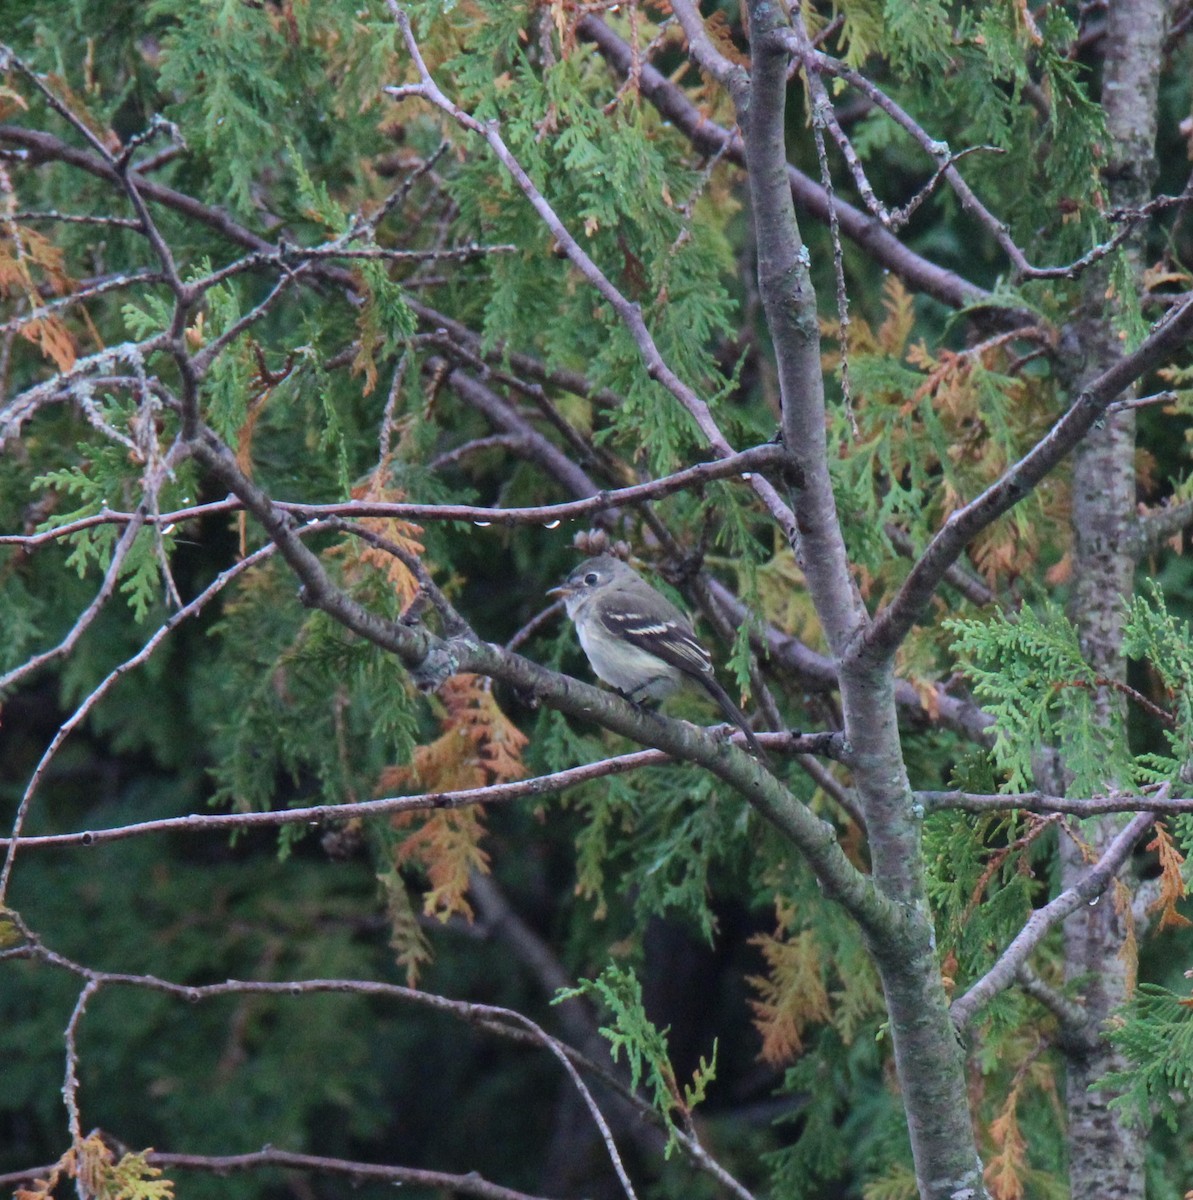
(221, 236)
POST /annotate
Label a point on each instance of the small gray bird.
(636, 640)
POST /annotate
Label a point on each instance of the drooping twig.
(502, 1022)
(560, 1053)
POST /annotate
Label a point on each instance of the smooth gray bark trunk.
(928, 1058)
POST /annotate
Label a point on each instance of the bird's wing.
(672, 641)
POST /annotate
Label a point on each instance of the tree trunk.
(1105, 1148)
(928, 1058)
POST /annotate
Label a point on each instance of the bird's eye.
(590, 578)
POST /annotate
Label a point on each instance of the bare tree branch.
(1073, 1019)
(494, 793)
(743, 463)
(74, 384)
(1159, 525)
(1086, 891)
(1157, 802)
(816, 672)
(76, 219)
(502, 1022)
(470, 1184)
(892, 625)
(969, 585)
(99, 287)
(730, 75)
(119, 553)
(560, 1053)
(70, 1084)
(784, 282)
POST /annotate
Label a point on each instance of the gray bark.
(928, 1058)
(1105, 1148)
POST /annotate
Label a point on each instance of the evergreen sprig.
(645, 1047)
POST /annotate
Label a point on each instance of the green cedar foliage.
(262, 704)
(1156, 1036)
(632, 1034)
(1029, 672)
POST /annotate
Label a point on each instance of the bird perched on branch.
(636, 640)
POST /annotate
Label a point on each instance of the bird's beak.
(561, 589)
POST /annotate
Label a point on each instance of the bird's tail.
(735, 715)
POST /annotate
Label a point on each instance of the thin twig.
(105, 685)
(385, 437)
(1156, 801)
(745, 463)
(51, 214)
(630, 313)
(1165, 397)
(502, 793)
(495, 441)
(210, 352)
(498, 793)
(501, 1022)
(454, 624)
(79, 126)
(99, 287)
(585, 450)
(564, 1059)
(70, 1083)
(1085, 891)
(539, 621)
(76, 631)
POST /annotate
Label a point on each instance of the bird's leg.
(641, 693)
